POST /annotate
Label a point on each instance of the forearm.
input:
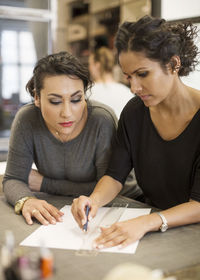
(182, 214)
(15, 189)
(106, 190)
(66, 187)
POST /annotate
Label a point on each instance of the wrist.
(95, 199)
(153, 222)
(20, 204)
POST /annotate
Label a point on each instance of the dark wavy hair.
(61, 63)
(160, 40)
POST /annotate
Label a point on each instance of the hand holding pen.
(80, 212)
(85, 226)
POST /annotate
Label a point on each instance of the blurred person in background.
(105, 89)
(116, 95)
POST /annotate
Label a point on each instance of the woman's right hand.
(79, 207)
(42, 211)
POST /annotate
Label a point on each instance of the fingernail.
(53, 222)
(60, 219)
(46, 223)
(90, 219)
(100, 246)
(83, 222)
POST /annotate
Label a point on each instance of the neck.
(179, 101)
(105, 78)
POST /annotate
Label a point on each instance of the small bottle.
(7, 254)
(46, 263)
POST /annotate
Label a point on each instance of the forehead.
(132, 61)
(62, 81)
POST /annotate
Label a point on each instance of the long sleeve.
(66, 187)
(20, 159)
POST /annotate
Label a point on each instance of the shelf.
(103, 5)
(86, 31)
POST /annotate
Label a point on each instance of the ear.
(37, 100)
(175, 64)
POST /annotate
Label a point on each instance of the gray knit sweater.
(71, 168)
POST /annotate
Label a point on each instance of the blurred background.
(30, 29)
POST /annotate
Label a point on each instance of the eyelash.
(143, 74)
(59, 102)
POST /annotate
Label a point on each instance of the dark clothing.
(168, 172)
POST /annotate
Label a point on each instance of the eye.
(55, 102)
(143, 74)
(78, 99)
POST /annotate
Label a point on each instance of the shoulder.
(101, 113)
(27, 110)
(26, 114)
(122, 87)
(133, 107)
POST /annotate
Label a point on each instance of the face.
(63, 106)
(147, 78)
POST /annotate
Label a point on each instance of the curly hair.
(160, 41)
(61, 63)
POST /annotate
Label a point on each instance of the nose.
(66, 110)
(136, 86)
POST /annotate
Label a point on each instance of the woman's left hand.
(122, 233)
(35, 180)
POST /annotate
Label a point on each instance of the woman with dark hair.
(158, 133)
(67, 137)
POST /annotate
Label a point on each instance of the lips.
(144, 97)
(66, 124)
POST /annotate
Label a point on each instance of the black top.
(167, 171)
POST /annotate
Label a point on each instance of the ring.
(34, 211)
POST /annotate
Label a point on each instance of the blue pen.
(85, 226)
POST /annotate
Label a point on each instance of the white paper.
(67, 234)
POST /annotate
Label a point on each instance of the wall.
(183, 9)
(178, 9)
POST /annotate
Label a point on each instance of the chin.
(151, 103)
(148, 103)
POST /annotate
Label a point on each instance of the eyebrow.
(135, 71)
(58, 95)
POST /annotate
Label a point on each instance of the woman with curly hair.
(158, 133)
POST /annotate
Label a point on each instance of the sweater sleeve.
(104, 146)
(20, 159)
(66, 187)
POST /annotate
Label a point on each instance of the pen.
(86, 213)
